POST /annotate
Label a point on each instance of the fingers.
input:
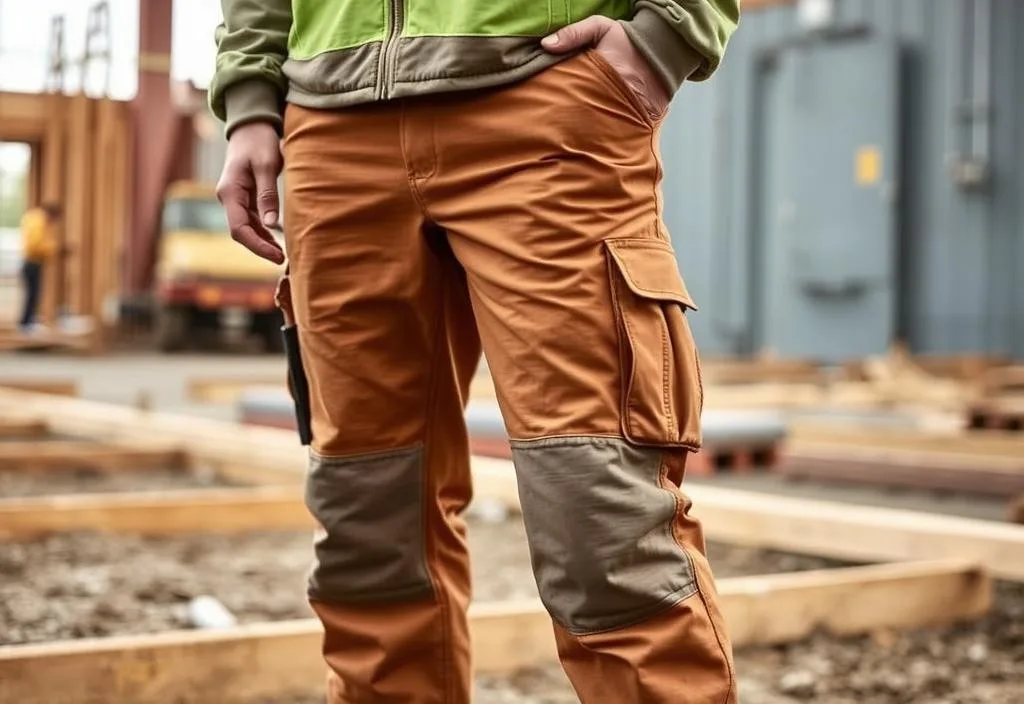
(265, 172)
(577, 35)
(246, 229)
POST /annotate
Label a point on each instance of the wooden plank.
(847, 531)
(978, 444)
(997, 476)
(281, 659)
(53, 190)
(78, 202)
(23, 428)
(59, 387)
(78, 454)
(220, 390)
(766, 610)
(156, 513)
(203, 439)
(234, 665)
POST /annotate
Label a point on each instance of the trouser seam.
(404, 594)
(371, 455)
(698, 587)
(664, 604)
(428, 496)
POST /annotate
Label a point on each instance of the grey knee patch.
(370, 546)
(600, 530)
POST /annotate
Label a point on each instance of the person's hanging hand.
(248, 188)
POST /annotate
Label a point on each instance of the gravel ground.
(81, 585)
(15, 484)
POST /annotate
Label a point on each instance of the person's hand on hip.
(248, 188)
(609, 39)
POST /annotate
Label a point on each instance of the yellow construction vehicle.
(205, 281)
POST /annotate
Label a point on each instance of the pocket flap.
(649, 268)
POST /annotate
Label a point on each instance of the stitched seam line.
(662, 479)
(363, 456)
(410, 178)
(641, 615)
(447, 76)
(369, 598)
(666, 376)
(563, 440)
(429, 544)
(622, 88)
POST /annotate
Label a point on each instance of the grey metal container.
(832, 189)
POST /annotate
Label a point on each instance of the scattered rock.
(977, 652)
(799, 683)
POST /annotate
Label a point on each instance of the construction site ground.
(80, 585)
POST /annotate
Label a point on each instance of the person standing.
(467, 175)
(39, 245)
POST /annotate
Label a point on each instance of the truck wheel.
(172, 326)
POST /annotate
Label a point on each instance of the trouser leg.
(388, 345)
(582, 313)
(32, 279)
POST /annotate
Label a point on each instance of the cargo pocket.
(662, 391)
(298, 385)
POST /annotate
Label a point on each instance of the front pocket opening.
(661, 390)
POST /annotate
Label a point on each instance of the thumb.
(577, 35)
(266, 194)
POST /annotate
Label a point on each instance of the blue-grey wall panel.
(961, 283)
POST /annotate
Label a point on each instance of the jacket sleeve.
(252, 45)
(683, 39)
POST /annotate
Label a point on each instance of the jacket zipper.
(388, 47)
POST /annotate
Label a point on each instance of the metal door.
(826, 240)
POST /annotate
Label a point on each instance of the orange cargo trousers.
(524, 221)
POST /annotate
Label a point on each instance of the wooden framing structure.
(270, 456)
(281, 659)
(81, 153)
(942, 576)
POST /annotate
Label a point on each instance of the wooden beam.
(220, 390)
(203, 439)
(766, 610)
(852, 532)
(978, 444)
(156, 513)
(77, 454)
(997, 476)
(23, 428)
(58, 387)
(281, 659)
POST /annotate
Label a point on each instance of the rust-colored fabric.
(525, 220)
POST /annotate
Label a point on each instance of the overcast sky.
(25, 31)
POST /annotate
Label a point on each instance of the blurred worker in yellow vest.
(39, 245)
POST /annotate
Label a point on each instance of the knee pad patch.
(600, 530)
(370, 546)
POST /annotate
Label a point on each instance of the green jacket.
(335, 53)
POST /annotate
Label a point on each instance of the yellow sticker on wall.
(868, 166)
